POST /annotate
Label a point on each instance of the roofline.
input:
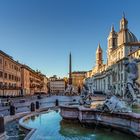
(10, 57)
(133, 44)
(133, 52)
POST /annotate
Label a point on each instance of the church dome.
(127, 35)
(131, 37)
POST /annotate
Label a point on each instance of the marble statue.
(114, 104)
(85, 96)
(132, 75)
(70, 90)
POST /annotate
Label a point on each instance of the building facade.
(77, 80)
(45, 84)
(57, 86)
(32, 81)
(111, 77)
(10, 76)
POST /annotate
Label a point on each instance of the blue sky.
(41, 33)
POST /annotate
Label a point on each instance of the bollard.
(56, 102)
(32, 107)
(2, 129)
(37, 104)
(39, 97)
(74, 100)
(12, 110)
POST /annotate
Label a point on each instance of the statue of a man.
(132, 75)
(85, 96)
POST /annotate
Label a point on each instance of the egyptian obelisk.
(70, 70)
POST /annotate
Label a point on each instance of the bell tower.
(112, 40)
(112, 43)
(99, 59)
(123, 23)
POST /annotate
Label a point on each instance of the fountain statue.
(85, 96)
(111, 104)
(132, 89)
(114, 112)
(114, 104)
(70, 90)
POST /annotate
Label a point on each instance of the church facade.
(111, 77)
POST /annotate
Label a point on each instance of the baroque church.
(111, 77)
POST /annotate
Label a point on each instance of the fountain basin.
(49, 125)
(127, 122)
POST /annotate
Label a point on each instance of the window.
(12, 77)
(15, 67)
(1, 74)
(9, 76)
(9, 65)
(1, 84)
(5, 63)
(5, 84)
(114, 42)
(0, 60)
(5, 75)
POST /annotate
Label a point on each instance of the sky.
(42, 33)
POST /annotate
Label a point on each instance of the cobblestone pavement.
(25, 106)
(45, 101)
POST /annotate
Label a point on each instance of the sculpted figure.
(114, 104)
(85, 96)
(132, 75)
(70, 90)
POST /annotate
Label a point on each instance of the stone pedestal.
(56, 102)
(2, 129)
(3, 136)
(2, 125)
(32, 107)
(37, 105)
(12, 110)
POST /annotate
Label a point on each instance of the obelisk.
(70, 70)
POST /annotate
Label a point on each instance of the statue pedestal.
(3, 136)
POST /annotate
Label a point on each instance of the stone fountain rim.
(32, 130)
(84, 109)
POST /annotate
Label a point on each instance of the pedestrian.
(11, 103)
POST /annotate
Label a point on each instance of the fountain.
(132, 90)
(114, 113)
(50, 125)
(70, 90)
